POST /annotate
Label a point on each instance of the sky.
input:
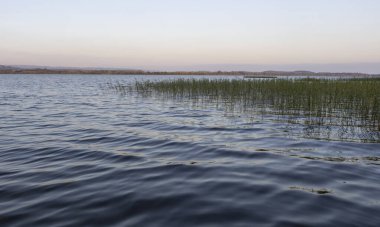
(321, 35)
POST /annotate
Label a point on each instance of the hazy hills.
(5, 69)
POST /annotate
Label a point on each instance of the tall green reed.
(350, 104)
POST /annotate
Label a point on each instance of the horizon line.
(359, 67)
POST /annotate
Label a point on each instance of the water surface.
(75, 154)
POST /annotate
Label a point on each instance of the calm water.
(75, 154)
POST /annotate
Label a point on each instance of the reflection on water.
(321, 191)
(340, 109)
(75, 153)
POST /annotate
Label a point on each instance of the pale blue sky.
(173, 34)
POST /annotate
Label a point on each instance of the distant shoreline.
(265, 74)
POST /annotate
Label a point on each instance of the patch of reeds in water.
(350, 107)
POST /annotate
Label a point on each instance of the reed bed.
(351, 105)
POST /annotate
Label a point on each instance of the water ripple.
(71, 155)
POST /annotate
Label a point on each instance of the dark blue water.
(75, 154)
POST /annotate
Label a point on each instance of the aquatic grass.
(352, 106)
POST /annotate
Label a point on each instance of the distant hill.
(6, 67)
(112, 71)
(66, 68)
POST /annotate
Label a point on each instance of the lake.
(75, 152)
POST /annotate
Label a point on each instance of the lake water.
(73, 153)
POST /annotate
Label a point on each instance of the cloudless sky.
(166, 34)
